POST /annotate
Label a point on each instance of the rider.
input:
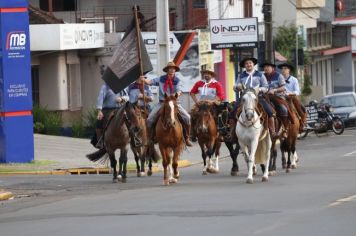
(107, 102)
(251, 78)
(136, 96)
(168, 84)
(208, 89)
(292, 89)
(276, 86)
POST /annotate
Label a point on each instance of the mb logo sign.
(16, 40)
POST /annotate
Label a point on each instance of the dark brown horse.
(169, 135)
(139, 144)
(207, 134)
(117, 136)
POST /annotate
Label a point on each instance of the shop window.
(199, 4)
(58, 5)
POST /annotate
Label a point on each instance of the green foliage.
(53, 123)
(78, 129)
(285, 40)
(45, 121)
(90, 117)
(306, 90)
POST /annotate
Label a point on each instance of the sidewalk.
(57, 152)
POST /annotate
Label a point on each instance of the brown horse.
(139, 144)
(169, 135)
(207, 134)
(288, 144)
(117, 136)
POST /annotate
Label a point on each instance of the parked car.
(344, 106)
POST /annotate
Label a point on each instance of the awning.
(334, 51)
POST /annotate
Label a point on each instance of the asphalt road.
(318, 198)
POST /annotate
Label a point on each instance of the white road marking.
(343, 200)
(350, 154)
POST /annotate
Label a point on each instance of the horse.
(207, 134)
(169, 136)
(253, 137)
(117, 136)
(139, 143)
(288, 144)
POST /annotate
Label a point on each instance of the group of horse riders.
(208, 89)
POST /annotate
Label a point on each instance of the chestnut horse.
(117, 136)
(288, 144)
(207, 134)
(169, 135)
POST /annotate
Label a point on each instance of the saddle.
(280, 100)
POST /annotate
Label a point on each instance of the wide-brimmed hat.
(286, 65)
(267, 63)
(242, 63)
(209, 72)
(171, 64)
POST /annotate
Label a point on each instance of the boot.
(272, 128)
(100, 138)
(186, 133)
(285, 122)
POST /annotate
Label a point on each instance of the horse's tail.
(96, 156)
(153, 154)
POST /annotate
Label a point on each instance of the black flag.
(124, 67)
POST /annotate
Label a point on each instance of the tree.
(285, 40)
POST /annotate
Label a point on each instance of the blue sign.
(16, 122)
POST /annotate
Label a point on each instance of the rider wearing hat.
(293, 90)
(207, 89)
(276, 86)
(168, 84)
(251, 78)
(137, 97)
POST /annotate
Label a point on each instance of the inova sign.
(234, 33)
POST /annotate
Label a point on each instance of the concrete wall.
(53, 81)
(343, 72)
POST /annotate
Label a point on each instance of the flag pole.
(142, 87)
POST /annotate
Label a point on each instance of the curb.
(5, 196)
(86, 171)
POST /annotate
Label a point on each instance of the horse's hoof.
(173, 181)
(115, 180)
(205, 172)
(142, 174)
(234, 173)
(166, 182)
(294, 166)
(213, 170)
(284, 166)
(249, 181)
(123, 180)
(176, 176)
(287, 170)
(264, 179)
(119, 178)
(272, 173)
(149, 172)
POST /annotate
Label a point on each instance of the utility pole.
(162, 22)
(267, 12)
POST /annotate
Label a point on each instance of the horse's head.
(249, 102)
(205, 116)
(132, 114)
(169, 113)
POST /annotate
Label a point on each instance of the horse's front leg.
(123, 165)
(113, 164)
(268, 153)
(134, 150)
(203, 155)
(233, 155)
(294, 160)
(165, 163)
(175, 165)
(251, 162)
(142, 160)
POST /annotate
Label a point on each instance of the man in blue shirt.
(293, 91)
(276, 86)
(137, 97)
(168, 84)
(106, 103)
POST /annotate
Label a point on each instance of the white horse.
(254, 140)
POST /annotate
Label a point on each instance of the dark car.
(344, 106)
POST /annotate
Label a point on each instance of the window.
(35, 85)
(199, 4)
(248, 8)
(58, 5)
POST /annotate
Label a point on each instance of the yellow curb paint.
(5, 196)
(85, 171)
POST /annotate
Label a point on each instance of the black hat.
(286, 65)
(242, 63)
(267, 63)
